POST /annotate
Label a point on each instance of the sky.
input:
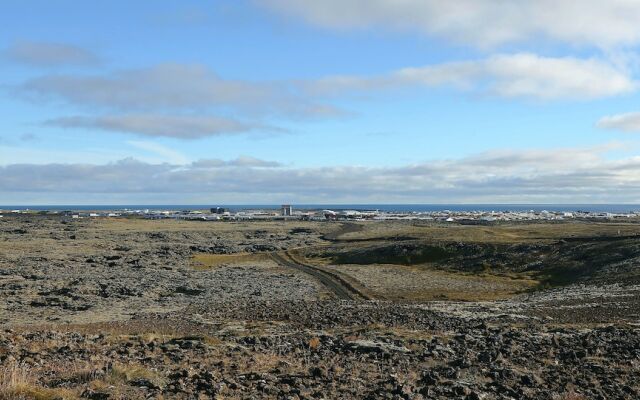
(333, 101)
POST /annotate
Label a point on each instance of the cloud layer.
(47, 54)
(480, 23)
(561, 175)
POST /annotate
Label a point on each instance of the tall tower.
(286, 210)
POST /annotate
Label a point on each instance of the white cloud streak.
(174, 126)
(480, 23)
(521, 75)
(627, 122)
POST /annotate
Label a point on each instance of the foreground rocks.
(118, 310)
(177, 357)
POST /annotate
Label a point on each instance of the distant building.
(286, 210)
(218, 210)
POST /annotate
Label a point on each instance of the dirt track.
(342, 289)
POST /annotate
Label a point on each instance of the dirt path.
(338, 286)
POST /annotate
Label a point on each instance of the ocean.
(612, 208)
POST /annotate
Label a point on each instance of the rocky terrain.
(120, 309)
(53, 269)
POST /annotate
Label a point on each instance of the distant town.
(288, 212)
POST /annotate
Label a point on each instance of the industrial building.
(286, 210)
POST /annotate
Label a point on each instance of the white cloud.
(47, 54)
(174, 100)
(191, 101)
(194, 88)
(560, 175)
(480, 23)
(175, 126)
(628, 122)
(174, 87)
(509, 75)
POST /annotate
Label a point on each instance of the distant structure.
(286, 210)
(218, 210)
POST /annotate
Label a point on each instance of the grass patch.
(524, 232)
(18, 381)
(204, 262)
(426, 283)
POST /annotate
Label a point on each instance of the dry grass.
(123, 373)
(421, 283)
(171, 225)
(508, 233)
(314, 343)
(19, 381)
(204, 262)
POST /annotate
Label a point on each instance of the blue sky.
(303, 101)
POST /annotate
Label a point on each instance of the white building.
(286, 210)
